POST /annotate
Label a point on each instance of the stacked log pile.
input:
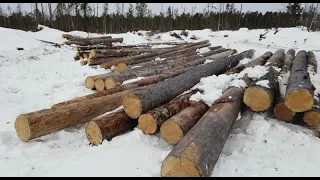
(160, 101)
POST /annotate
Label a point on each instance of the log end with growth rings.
(99, 85)
(93, 133)
(121, 67)
(89, 83)
(82, 63)
(299, 100)
(312, 118)
(179, 167)
(22, 128)
(132, 105)
(109, 83)
(171, 132)
(257, 99)
(147, 124)
(282, 112)
(92, 53)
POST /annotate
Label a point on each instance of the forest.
(85, 17)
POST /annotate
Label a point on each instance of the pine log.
(143, 82)
(173, 130)
(199, 150)
(108, 126)
(84, 62)
(260, 60)
(100, 60)
(281, 111)
(120, 52)
(140, 58)
(36, 124)
(140, 101)
(94, 41)
(84, 48)
(260, 98)
(76, 38)
(312, 61)
(121, 67)
(300, 91)
(150, 122)
(212, 48)
(69, 36)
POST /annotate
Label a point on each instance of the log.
(300, 91)
(150, 122)
(312, 62)
(84, 48)
(143, 82)
(69, 36)
(94, 41)
(212, 48)
(36, 124)
(121, 67)
(140, 58)
(108, 126)
(176, 127)
(119, 52)
(281, 111)
(260, 60)
(262, 97)
(84, 62)
(140, 101)
(198, 152)
(100, 60)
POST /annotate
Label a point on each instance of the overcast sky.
(156, 7)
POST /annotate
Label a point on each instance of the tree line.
(83, 17)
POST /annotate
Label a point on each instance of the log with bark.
(260, 96)
(90, 38)
(36, 124)
(199, 150)
(120, 52)
(99, 60)
(84, 48)
(94, 41)
(146, 57)
(69, 36)
(176, 127)
(300, 91)
(281, 111)
(312, 62)
(108, 126)
(150, 122)
(212, 48)
(140, 101)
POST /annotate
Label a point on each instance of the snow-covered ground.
(42, 75)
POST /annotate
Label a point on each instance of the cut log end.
(83, 63)
(312, 118)
(89, 83)
(257, 99)
(171, 132)
(93, 133)
(132, 105)
(109, 83)
(179, 167)
(147, 124)
(282, 112)
(299, 100)
(22, 128)
(121, 67)
(99, 85)
(92, 53)
(85, 56)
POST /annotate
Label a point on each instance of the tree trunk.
(197, 152)
(173, 130)
(140, 58)
(299, 95)
(140, 101)
(35, 124)
(108, 126)
(150, 122)
(261, 95)
(281, 111)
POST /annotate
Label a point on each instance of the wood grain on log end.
(99, 85)
(312, 118)
(121, 67)
(22, 128)
(257, 98)
(89, 83)
(92, 53)
(171, 132)
(299, 100)
(83, 63)
(147, 124)
(109, 83)
(132, 105)
(93, 133)
(282, 112)
(179, 167)
(85, 56)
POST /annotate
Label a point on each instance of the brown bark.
(94, 41)
(260, 60)
(140, 101)
(173, 130)
(108, 126)
(100, 60)
(212, 48)
(197, 152)
(150, 122)
(260, 98)
(84, 48)
(312, 61)
(300, 91)
(120, 52)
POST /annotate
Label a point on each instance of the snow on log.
(199, 150)
(108, 126)
(260, 95)
(281, 111)
(300, 91)
(140, 101)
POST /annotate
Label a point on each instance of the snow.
(133, 80)
(263, 83)
(203, 50)
(42, 75)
